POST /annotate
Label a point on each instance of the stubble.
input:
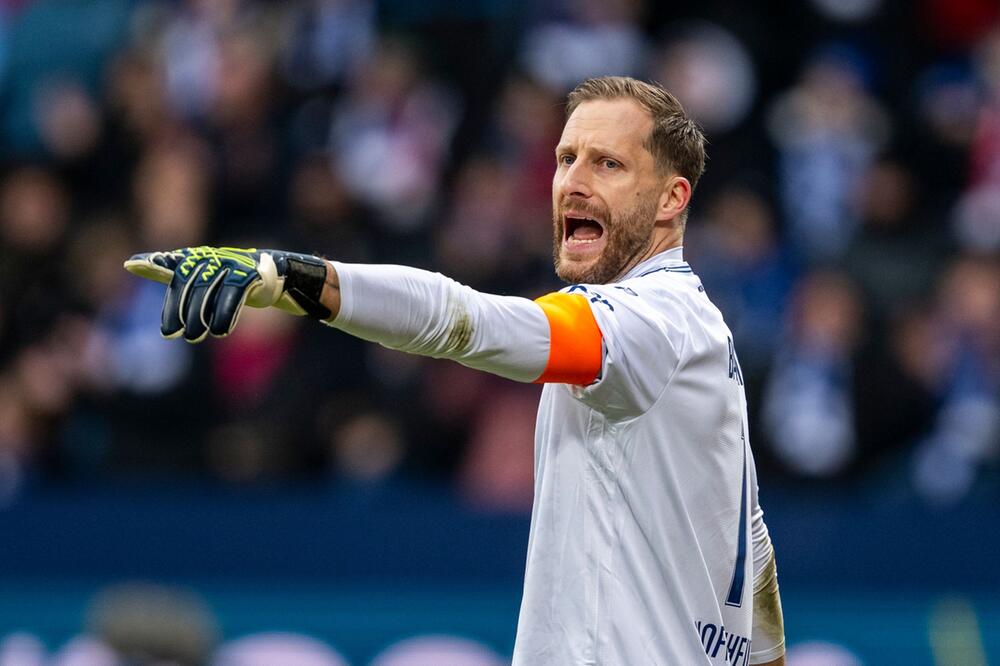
(629, 234)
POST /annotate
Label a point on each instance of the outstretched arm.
(553, 339)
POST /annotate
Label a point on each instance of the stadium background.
(163, 499)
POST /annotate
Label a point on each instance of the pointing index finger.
(157, 266)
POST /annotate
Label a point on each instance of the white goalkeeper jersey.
(647, 540)
(645, 491)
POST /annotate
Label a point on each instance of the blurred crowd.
(848, 226)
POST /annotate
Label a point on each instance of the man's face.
(605, 191)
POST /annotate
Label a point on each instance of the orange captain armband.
(575, 341)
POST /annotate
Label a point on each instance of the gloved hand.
(208, 286)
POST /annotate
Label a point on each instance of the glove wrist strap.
(304, 280)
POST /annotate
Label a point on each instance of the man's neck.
(664, 243)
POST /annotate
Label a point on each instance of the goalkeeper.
(647, 543)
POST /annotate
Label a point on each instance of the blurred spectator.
(368, 447)
(967, 428)
(828, 129)
(948, 100)
(325, 218)
(171, 193)
(451, 397)
(124, 352)
(977, 220)
(480, 240)
(808, 407)
(34, 215)
(137, 96)
(594, 38)
(245, 136)
(526, 126)
(69, 120)
(33, 211)
(247, 373)
(390, 136)
(498, 471)
(897, 254)
(192, 52)
(120, 353)
(330, 39)
(744, 269)
(977, 213)
(47, 48)
(707, 68)
(287, 404)
(515, 176)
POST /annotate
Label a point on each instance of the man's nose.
(575, 181)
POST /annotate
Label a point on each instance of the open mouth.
(580, 230)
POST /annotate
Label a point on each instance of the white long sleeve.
(426, 313)
(768, 621)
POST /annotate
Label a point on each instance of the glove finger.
(211, 298)
(195, 324)
(171, 321)
(157, 266)
(229, 302)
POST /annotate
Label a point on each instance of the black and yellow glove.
(208, 286)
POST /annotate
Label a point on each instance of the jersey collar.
(671, 260)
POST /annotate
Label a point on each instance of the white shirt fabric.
(647, 540)
(645, 489)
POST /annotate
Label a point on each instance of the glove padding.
(208, 286)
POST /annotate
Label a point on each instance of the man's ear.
(674, 198)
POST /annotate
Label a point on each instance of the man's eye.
(566, 160)
(610, 164)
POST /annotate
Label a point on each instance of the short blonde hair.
(676, 142)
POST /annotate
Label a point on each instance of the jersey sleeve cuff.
(767, 655)
(346, 297)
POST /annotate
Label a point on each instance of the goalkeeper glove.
(208, 286)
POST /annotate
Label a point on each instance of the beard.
(628, 233)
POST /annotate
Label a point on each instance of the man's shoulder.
(667, 297)
(666, 287)
(676, 294)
